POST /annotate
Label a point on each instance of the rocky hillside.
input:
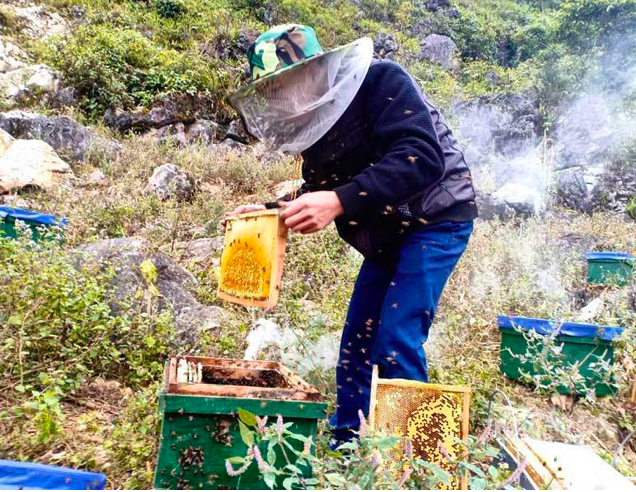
(114, 114)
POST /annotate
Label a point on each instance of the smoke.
(506, 150)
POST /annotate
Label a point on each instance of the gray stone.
(69, 138)
(170, 110)
(36, 22)
(28, 83)
(385, 45)
(11, 57)
(491, 208)
(200, 250)
(501, 123)
(439, 49)
(245, 39)
(174, 283)
(526, 201)
(228, 143)
(169, 181)
(236, 131)
(203, 131)
(571, 190)
(435, 5)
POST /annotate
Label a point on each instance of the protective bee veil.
(293, 110)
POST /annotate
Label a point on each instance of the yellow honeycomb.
(432, 416)
(251, 262)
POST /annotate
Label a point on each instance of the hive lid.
(549, 327)
(610, 256)
(31, 216)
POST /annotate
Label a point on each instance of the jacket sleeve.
(401, 130)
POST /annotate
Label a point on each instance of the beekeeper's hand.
(311, 212)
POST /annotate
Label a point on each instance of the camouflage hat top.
(280, 48)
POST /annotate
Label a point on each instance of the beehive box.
(36, 221)
(252, 259)
(580, 343)
(428, 414)
(610, 268)
(200, 419)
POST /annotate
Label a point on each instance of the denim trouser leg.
(390, 313)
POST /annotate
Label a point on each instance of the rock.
(499, 123)
(199, 250)
(435, 5)
(70, 139)
(64, 97)
(36, 22)
(385, 45)
(170, 110)
(452, 13)
(524, 200)
(421, 28)
(613, 187)
(31, 163)
(96, 178)
(203, 131)
(27, 83)
(571, 190)
(285, 188)
(491, 208)
(174, 283)
(228, 143)
(439, 49)
(10, 56)
(5, 140)
(236, 131)
(245, 39)
(169, 181)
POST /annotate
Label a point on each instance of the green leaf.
(477, 484)
(477, 471)
(15, 319)
(246, 435)
(236, 460)
(20, 388)
(270, 479)
(293, 468)
(335, 479)
(289, 483)
(246, 417)
(271, 455)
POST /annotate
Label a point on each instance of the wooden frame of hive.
(374, 420)
(252, 259)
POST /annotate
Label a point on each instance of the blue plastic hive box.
(580, 343)
(36, 221)
(17, 475)
(610, 268)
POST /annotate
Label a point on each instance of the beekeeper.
(378, 160)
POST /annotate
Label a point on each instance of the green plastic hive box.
(39, 224)
(610, 268)
(579, 343)
(200, 420)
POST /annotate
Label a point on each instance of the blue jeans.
(390, 313)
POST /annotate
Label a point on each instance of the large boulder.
(70, 139)
(30, 163)
(385, 45)
(439, 49)
(201, 131)
(174, 284)
(10, 56)
(28, 83)
(169, 181)
(505, 124)
(170, 110)
(571, 190)
(36, 22)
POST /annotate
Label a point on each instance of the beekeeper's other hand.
(311, 212)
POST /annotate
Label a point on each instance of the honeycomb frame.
(256, 240)
(413, 402)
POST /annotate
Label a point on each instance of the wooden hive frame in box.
(428, 414)
(252, 259)
(285, 384)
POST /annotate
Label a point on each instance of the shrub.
(119, 67)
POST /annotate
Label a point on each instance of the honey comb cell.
(252, 259)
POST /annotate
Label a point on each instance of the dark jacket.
(393, 163)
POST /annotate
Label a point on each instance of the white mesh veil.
(294, 109)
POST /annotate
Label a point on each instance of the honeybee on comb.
(252, 259)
